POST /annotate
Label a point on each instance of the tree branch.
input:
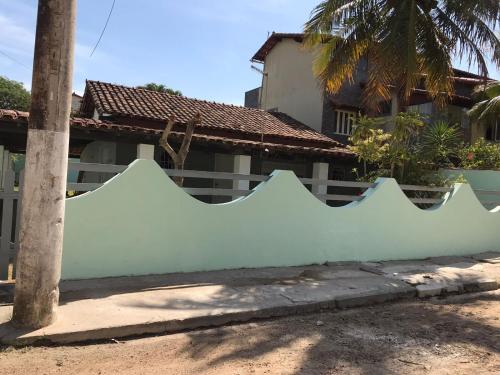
(179, 157)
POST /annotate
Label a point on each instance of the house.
(76, 102)
(117, 124)
(289, 86)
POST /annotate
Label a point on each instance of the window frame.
(346, 126)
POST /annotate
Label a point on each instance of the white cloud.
(17, 39)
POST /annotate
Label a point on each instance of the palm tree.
(487, 110)
(406, 42)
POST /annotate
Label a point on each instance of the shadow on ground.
(373, 340)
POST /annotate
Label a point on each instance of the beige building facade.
(289, 86)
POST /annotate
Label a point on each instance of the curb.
(15, 337)
(174, 326)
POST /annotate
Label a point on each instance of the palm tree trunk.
(42, 217)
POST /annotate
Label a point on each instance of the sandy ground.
(457, 335)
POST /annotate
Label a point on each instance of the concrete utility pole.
(42, 217)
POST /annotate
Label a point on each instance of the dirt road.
(458, 335)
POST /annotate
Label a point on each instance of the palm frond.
(406, 42)
(488, 109)
(487, 91)
(440, 142)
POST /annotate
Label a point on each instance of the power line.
(104, 29)
(14, 60)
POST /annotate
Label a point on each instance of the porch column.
(145, 151)
(320, 172)
(241, 165)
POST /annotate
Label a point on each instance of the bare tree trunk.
(42, 217)
(179, 157)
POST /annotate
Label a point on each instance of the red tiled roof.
(91, 124)
(134, 103)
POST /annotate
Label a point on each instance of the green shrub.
(480, 155)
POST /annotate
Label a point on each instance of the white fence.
(10, 207)
(347, 196)
(340, 191)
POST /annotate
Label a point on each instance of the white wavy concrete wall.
(141, 223)
(479, 180)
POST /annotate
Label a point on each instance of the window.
(344, 121)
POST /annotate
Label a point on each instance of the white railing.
(197, 191)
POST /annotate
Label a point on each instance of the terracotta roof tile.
(137, 103)
(86, 123)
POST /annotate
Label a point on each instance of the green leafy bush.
(480, 155)
(412, 152)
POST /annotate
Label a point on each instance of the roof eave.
(98, 125)
(270, 43)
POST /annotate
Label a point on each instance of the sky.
(201, 47)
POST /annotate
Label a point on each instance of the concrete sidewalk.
(120, 307)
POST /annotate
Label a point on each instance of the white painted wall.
(145, 151)
(289, 84)
(160, 229)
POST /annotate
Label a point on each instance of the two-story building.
(289, 86)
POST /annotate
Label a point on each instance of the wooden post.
(42, 217)
(241, 165)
